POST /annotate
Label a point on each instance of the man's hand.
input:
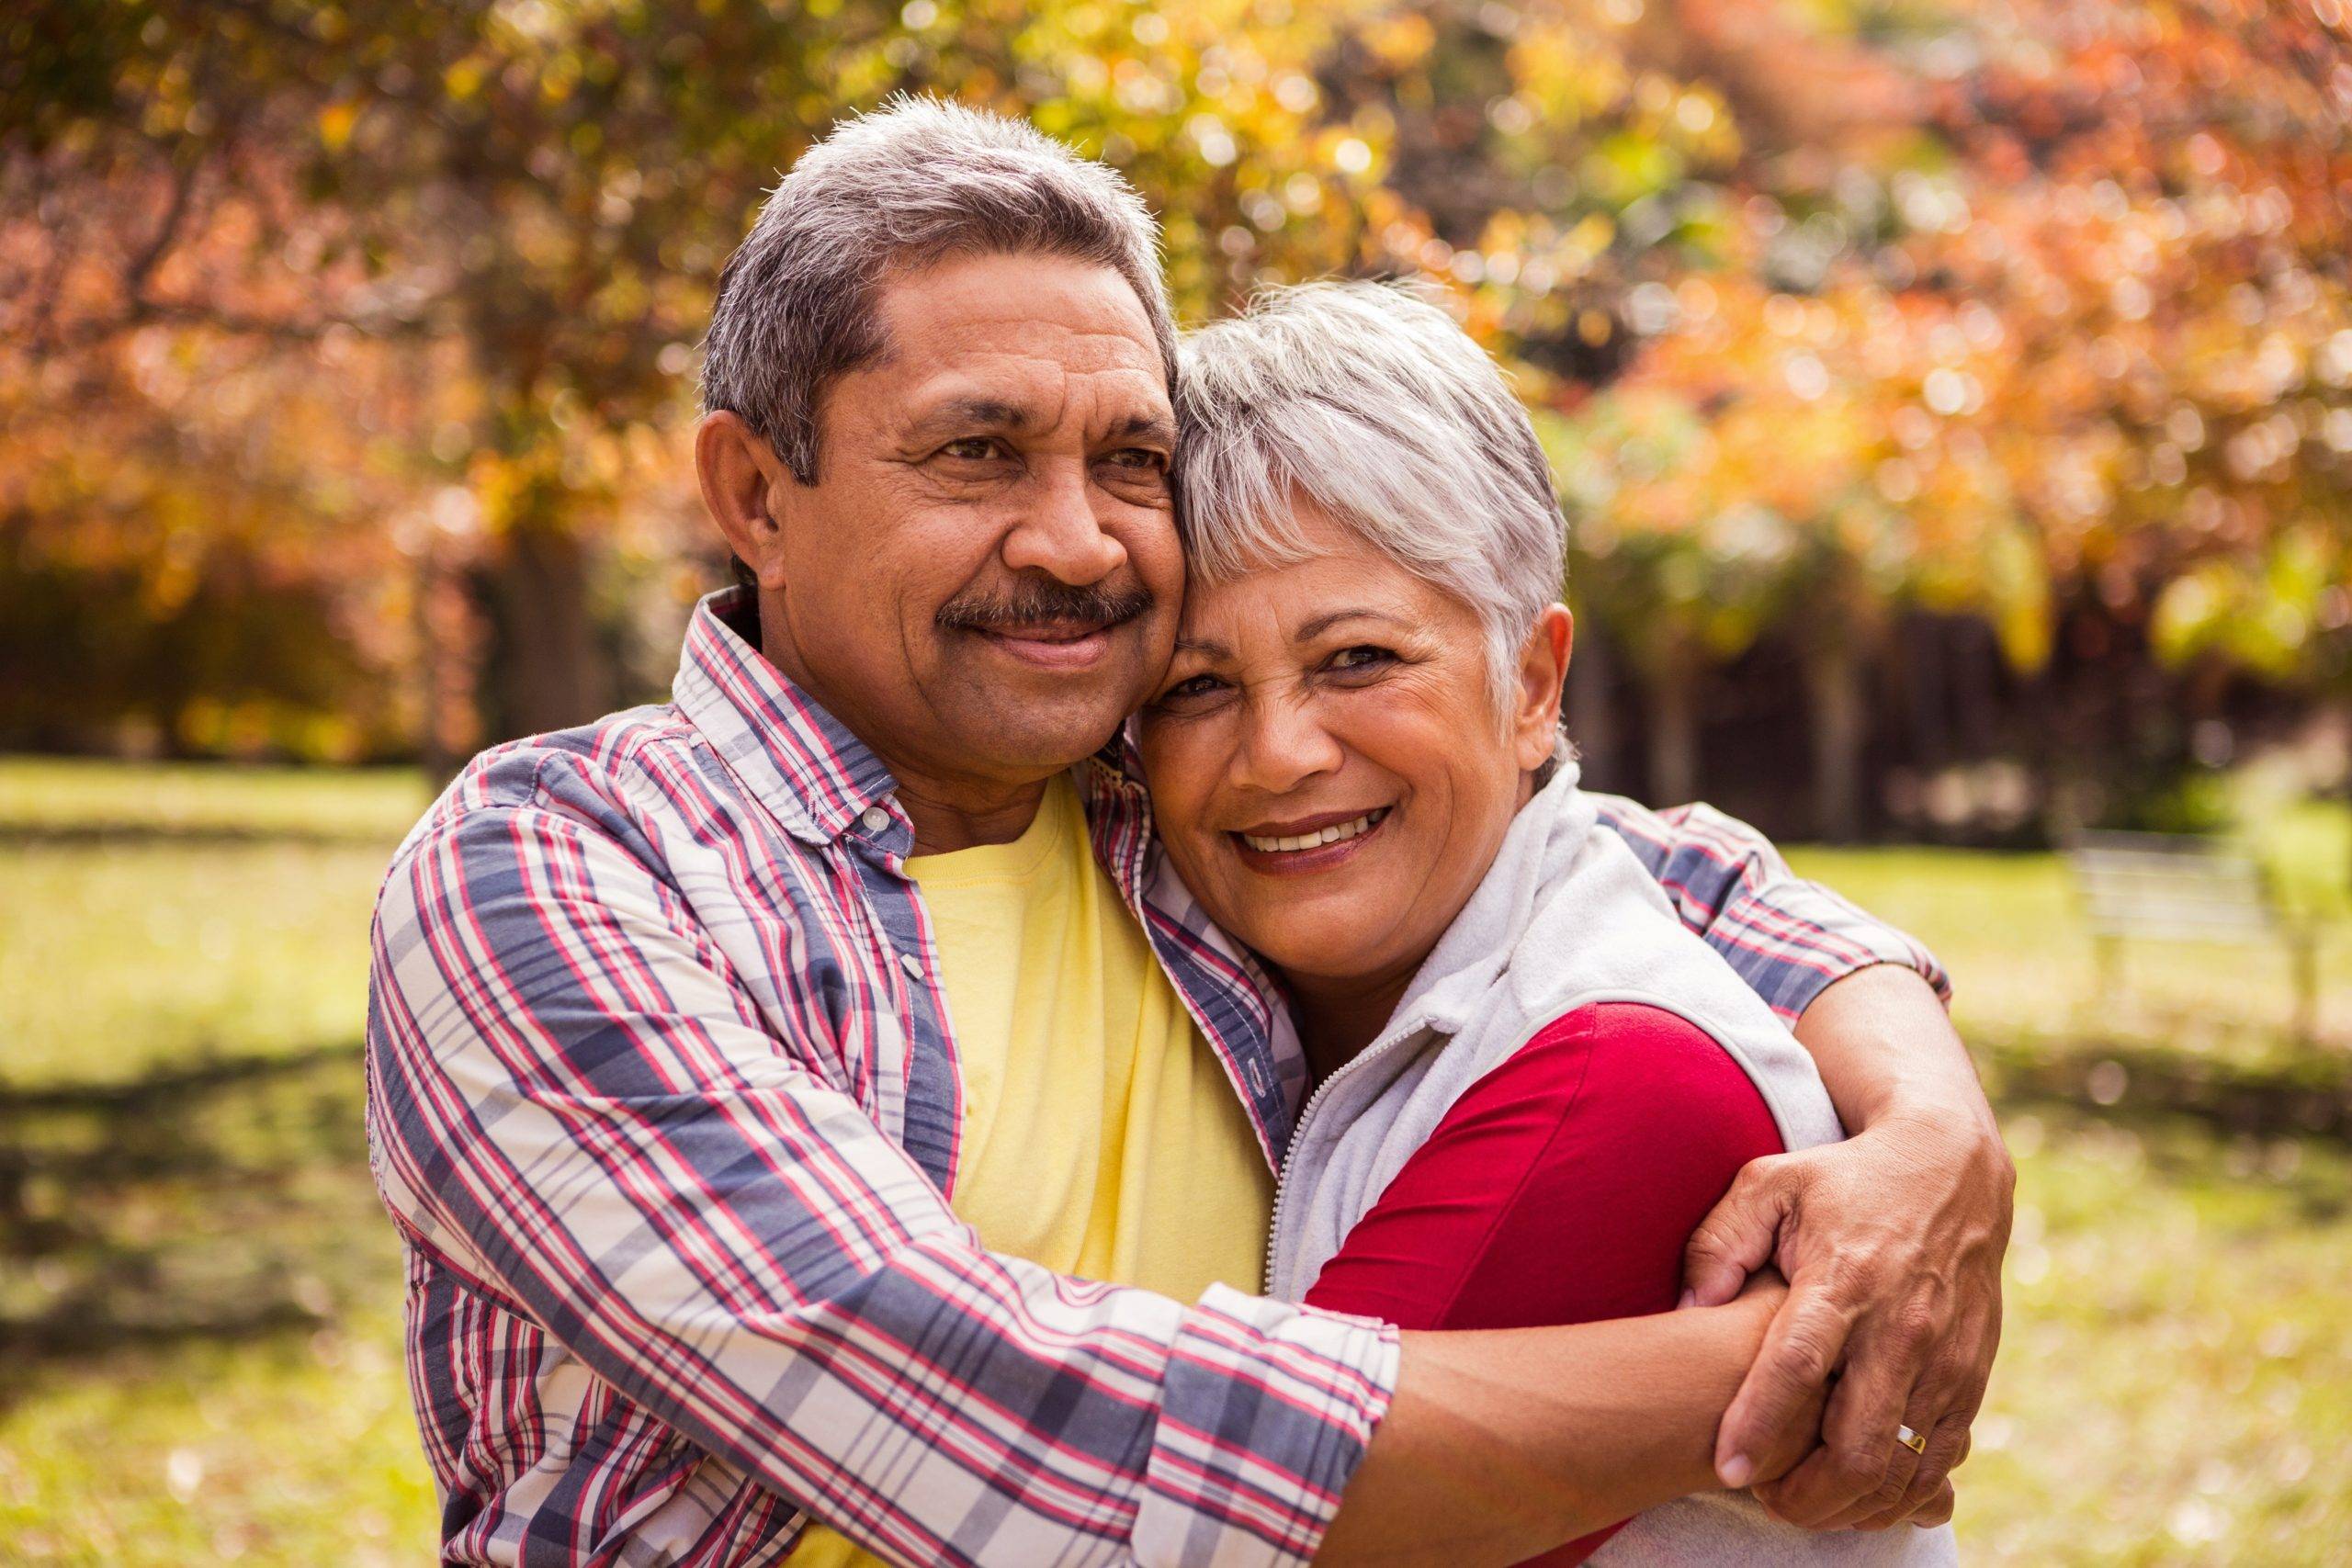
(1892, 1243)
(1785, 1447)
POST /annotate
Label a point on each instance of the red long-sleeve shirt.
(1561, 1188)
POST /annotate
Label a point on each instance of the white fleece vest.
(1566, 917)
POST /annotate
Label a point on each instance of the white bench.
(2179, 887)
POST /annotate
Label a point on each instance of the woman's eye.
(1365, 656)
(1196, 687)
(972, 448)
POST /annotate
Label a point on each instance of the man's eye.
(1363, 657)
(972, 448)
(1143, 459)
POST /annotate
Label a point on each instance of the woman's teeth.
(1316, 839)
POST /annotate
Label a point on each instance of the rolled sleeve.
(1788, 938)
(1268, 1410)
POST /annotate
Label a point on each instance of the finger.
(1801, 1346)
(1863, 1468)
(1737, 1236)
(1935, 1510)
(1929, 1515)
(1948, 1439)
(1947, 1446)
(1900, 1478)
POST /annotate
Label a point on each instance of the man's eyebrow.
(968, 413)
(1310, 630)
(1156, 427)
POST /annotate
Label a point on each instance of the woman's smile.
(1311, 844)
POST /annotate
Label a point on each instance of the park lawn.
(157, 917)
(2009, 928)
(222, 1380)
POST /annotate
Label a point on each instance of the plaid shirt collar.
(819, 781)
(796, 758)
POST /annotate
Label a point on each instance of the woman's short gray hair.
(915, 182)
(1369, 402)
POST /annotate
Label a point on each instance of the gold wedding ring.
(1910, 1439)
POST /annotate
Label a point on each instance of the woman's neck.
(1338, 1018)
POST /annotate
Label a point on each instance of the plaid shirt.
(664, 1100)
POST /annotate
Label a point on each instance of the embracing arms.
(578, 1108)
(1504, 1443)
(1892, 1240)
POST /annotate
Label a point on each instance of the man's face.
(985, 578)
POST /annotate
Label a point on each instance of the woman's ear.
(1542, 673)
(743, 482)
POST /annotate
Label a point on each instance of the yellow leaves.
(463, 79)
(1401, 41)
(337, 122)
(1592, 234)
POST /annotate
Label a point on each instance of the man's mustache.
(1033, 602)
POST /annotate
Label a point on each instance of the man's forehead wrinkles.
(1027, 396)
(1017, 333)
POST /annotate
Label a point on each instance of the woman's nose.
(1059, 533)
(1283, 745)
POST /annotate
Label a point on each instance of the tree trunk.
(1591, 723)
(1840, 720)
(545, 668)
(1673, 727)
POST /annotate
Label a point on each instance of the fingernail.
(1737, 1471)
(1689, 1298)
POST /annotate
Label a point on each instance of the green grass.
(199, 1298)
(2174, 1383)
(204, 1363)
(376, 805)
(2009, 928)
(152, 917)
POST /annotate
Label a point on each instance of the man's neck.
(949, 812)
(950, 817)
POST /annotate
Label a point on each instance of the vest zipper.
(1306, 1117)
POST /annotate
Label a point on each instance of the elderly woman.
(1533, 1081)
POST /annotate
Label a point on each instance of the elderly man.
(761, 1082)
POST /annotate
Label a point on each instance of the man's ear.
(744, 484)
(1542, 673)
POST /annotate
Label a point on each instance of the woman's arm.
(1560, 1189)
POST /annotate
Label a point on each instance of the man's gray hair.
(916, 182)
(1369, 402)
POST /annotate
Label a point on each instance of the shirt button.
(911, 965)
(875, 818)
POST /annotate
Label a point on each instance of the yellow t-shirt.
(1101, 1138)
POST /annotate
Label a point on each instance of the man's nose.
(1284, 744)
(1059, 533)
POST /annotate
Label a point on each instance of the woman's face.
(1328, 766)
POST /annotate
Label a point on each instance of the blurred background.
(1953, 400)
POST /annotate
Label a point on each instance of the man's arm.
(575, 1104)
(1789, 939)
(1893, 1240)
(1504, 1443)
